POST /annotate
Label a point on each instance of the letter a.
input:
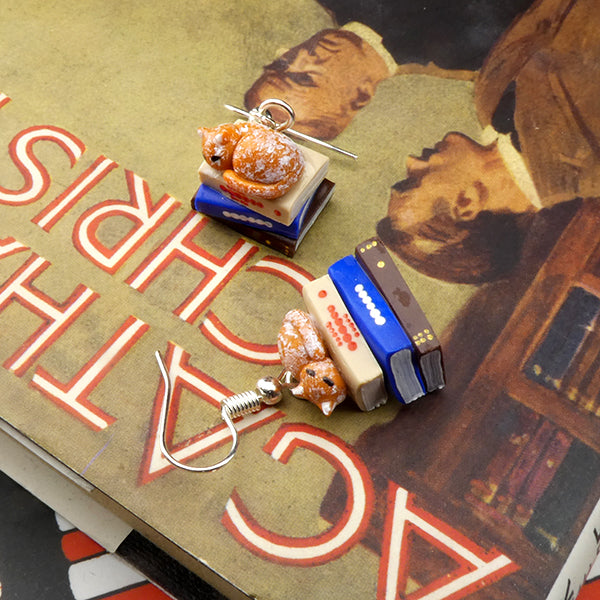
(73, 396)
(476, 567)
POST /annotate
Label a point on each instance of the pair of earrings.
(309, 373)
(268, 391)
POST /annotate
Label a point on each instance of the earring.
(364, 336)
(258, 181)
(262, 115)
(268, 391)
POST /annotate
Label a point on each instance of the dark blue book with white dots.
(387, 339)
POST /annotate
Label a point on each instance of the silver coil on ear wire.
(269, 391)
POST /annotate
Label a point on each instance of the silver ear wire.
(262, 115)
(268, 391)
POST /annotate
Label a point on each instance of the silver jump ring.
(261, 114)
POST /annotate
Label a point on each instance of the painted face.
(327, 80)
(449, 185)
(459, 215)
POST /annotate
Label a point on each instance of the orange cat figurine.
(321, 383)
(256, 160)
(303, 353)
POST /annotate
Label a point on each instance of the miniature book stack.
(375, 330)
(280, 223)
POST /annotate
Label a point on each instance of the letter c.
(324, 547)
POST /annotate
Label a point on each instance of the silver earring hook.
(268, 391)
(268, 120)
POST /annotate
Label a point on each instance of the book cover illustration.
(46, 555)
(478, 169)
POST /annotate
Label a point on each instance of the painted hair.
(478, 251)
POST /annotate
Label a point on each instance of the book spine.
(382, 330)
(284, 239)
(210, 202)
(346, 344)
(589, 396)
(583, 367)
(493, 489)
(541, 476)
(553, 357)
(525, 465)
(279, 243)
(376, 261)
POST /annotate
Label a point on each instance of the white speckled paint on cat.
(256, 161)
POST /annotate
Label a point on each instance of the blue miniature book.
(208, 201)
(381, 329)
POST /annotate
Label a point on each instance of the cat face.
(218, 145)
(322, 384)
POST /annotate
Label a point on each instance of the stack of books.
(375, 329)
(280, 224)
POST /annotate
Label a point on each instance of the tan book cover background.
(129, 83)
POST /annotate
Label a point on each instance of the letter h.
(56, 317)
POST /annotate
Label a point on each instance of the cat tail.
(265, 191)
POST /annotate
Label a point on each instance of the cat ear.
(298, 391)
(201, 131)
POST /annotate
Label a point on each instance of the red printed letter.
(476, 568)
(139, 210)
(4, 99)
(37, 180)
(73, 395)
(57, 317)
(184, 376)
(179, 245)
(79, 188)
(331, 544)
(224, 339)
(9, 246)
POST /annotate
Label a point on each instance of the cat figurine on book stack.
(364, 320)
(256, 161)
(259, 182)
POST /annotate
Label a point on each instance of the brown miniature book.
(380, 267)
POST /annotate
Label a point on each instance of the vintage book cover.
(476, 127)
(44, 555)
